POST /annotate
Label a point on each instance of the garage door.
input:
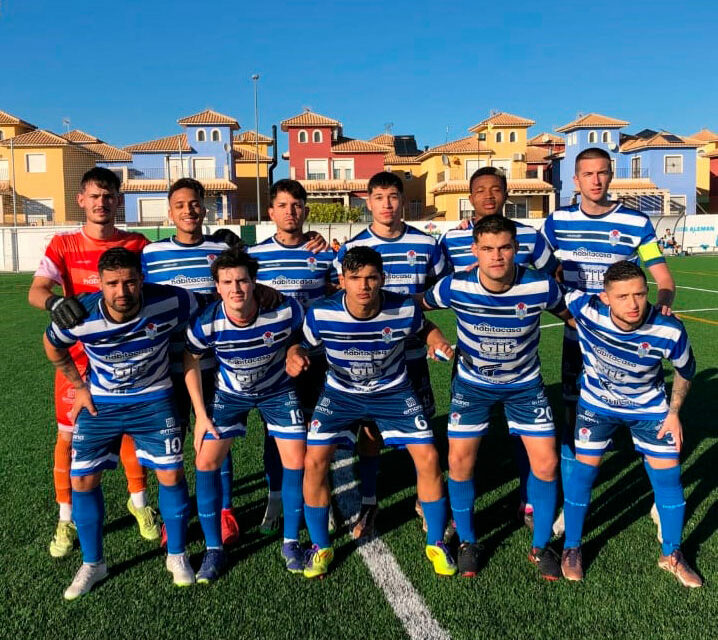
(153, 209)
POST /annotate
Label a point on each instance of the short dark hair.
(489, 171)
(591, 154)
(623, 270)
(385, 179)
(494, 223)
(187, 183)
(358, 257)
(233, 258)
(119, 258)
(103, 178)
(292, 187)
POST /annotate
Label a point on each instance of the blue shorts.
(571, 365)
(154, 426)
(281, 412)
(418, 371)
(528, 412)
(310, 384)
(397, 413)
(592, 436)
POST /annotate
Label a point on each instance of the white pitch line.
(679, 286)
(406, 602)
(675, 311)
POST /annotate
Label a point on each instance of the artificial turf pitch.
(624, 593)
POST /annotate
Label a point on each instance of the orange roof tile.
(392, 159)
(79, 136)
(107, 152)
(550, 137)
(208, 116)
(470, 144)
(383, 138)
(37, 138)
(8, 118)
(514, 185)
(314, 186)
(631, 184)
(133, 186)
(247, 137)
(593, 120)
(662, 139)
(309, 119)
(357, 146)
(536, 154)
(706, 135)
(248, 155)
(168, 144)
(503, 119)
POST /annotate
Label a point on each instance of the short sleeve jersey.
(498, 333)
(622, 370)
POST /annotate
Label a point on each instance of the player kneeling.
(249, 345)
(126, 336)
(624, 341)
(364, 332)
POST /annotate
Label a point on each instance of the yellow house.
(708, 141)
(245, 147)
(44, 172)
(11, 126)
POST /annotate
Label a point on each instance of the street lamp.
(255, 78)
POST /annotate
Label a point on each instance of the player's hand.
(66, 313)
(83, 400)
(463, 225)
(441, 352)
(672, 427)
(664, 309)
(229, 237)
(472, 266)
(202, 425)
(316, 242)
(267, 297)
(297, 361)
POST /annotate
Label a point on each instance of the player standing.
(70, 262)
(126, 335)
(624, 342)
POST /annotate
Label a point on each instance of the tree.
(333, 212)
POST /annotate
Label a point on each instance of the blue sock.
(435, 514)
(174, 507)
(368, 471)
(272, 463)
(226, 474)
(522, 462)
(577, 497)
(209, 502)
(292, 500)
(461, 496)
(668, 492)
(542, 495)
(88, 512)
(317, 519)
(568, 455)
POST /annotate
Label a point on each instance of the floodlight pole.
(255, 78)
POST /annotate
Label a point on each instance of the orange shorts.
(65, 392)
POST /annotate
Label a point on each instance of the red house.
(330, 166)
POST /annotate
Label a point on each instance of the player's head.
(488, 191)
(362, 276)
(186, 205)
(385, 199)
(288, 205)
(593, 174)
(120, 274)
(235, 274)
(625, 290)
(494, 246)
(99, 196)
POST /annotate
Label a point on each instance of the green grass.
(624, 594)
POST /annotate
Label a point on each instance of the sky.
(125, 71)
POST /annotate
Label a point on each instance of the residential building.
(246, 151)
(706, 197)
(402, 158)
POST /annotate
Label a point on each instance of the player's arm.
(297, 360)
(438, 347)
(193, 382)
(666, 287)
(672, 423)
(62, 361)
(316, 242)
(67, 312)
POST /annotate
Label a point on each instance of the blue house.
(203, 152)
(653, 172)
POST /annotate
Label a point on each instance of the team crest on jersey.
(584, 434)
(211, 258)
(643, 349)
(312, 263)
(386, 334)
(455, 418)
(268, 338)
(314, 426)
(521, 310)
(411, 257)
(151, 331)
(614, 235)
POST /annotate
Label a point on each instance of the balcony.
(175, 173)
(631, 173)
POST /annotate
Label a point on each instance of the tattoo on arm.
(681, 386)
(67, 367)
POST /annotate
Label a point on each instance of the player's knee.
(544, 466)
(85, 483)
(316, 464)
(170, 477)
(293, 455)
(426, 460)
(461, 465)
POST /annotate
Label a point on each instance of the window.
(216, 135)
(4, 170)
(316, 169)
(201, 135)
(466, 210)
(39, 209)
(482, 137)
(35, 163)
(499, 136)
(203, 168)
(471, 166)
(636, 167)
(316, 135)
(613, 166)
(517, 209)
(503, 165)
(605, 137)
(2, 135)
(153, 209)
(673, 164)
(343, 169)
(592, 136)
(303, 136)
(407, 175)
(512, 136)
(178, 168)
(678, 204)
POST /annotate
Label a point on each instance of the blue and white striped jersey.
(294, 270)
(367, 355)
(622, 370)
(533, 252)
(129, 361)
(250, 359)
(587, 245)
(497, 333)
